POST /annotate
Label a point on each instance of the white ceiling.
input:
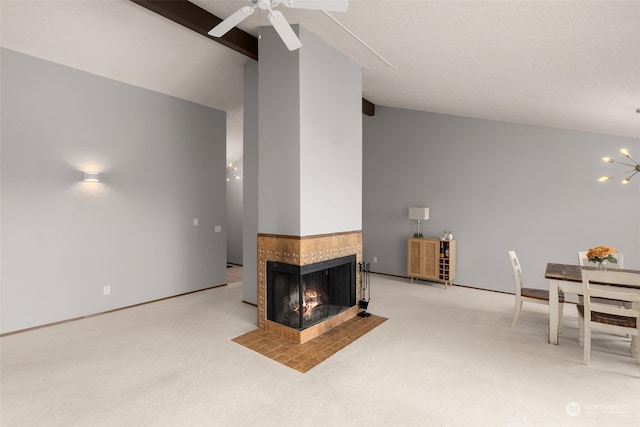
(564, 64)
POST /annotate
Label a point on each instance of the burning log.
(311, 300)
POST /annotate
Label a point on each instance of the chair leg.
(587, 344)
(580, 329)
(516, 312)
(634, 347)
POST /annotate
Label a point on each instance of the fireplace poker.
(365, 287)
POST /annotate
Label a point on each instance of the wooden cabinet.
(423, 258)
(431, 259)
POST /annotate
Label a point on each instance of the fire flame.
(311, 299)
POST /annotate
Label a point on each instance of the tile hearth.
(303, 357)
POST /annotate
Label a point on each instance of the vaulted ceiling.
(564, 64)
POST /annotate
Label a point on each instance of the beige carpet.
(303, 357)
(444, 358)
(234, 273)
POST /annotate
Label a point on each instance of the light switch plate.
(196, 222)
(218, 229)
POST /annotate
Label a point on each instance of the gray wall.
(163, 163)
(498, 186)
(279, 134)
(234, 212)
(330, 139)
(250, 185)
(310, 173)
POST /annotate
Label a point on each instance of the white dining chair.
(622, 318)
(583, 261)
(582, 258)
(538, 296)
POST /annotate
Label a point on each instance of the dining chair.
(583, 261)
(539, 296)
(582, 258)
(622, 318)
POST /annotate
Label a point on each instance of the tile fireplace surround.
(301, 251)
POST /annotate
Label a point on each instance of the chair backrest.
(620, 264)
(583, 261)
(582, 258)
(517, 271)
(600, 284)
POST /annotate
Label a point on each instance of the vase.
(602, 265)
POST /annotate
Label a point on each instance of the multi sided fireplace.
(299, 297)
(306, 254)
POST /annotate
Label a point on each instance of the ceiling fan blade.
(237, 17)
(284, 30)
(330, 5)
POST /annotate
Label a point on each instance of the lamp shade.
(419, 214)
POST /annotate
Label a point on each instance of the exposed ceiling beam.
(201, 21)
(368, 108)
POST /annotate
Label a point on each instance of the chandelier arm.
(635, 167)
(627, 164)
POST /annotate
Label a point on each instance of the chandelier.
(635, 168)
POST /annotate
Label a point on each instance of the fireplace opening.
(302, 296)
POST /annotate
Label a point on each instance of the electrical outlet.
(106, 290)
(375, 259)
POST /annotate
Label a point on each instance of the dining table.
(566, 278)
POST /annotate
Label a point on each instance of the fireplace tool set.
(365, 287)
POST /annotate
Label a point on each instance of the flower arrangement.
(602, 253)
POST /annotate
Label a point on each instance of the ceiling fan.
(276, 17)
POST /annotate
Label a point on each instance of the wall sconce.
(418, 214)
(90, 176)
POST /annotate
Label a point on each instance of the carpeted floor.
(303, 357)
(234, 273)
(443, 358)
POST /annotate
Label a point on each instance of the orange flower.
(602, 253)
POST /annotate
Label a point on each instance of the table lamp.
(418, 214)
